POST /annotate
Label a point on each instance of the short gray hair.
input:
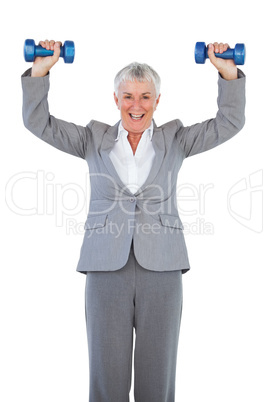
(137, 72)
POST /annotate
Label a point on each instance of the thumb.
(56, 54)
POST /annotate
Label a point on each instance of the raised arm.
(230, 117)
(67, 137)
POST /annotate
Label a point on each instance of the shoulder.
(97, 127)
(97, 130)
(171, 128)
(170, 131)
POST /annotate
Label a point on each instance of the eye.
(146, 97)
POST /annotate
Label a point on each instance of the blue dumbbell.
(238, 54)
(31, 51)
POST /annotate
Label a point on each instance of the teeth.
(136, 116)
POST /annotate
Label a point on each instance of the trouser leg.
(115, 303)
(158, 306)
(110, 320)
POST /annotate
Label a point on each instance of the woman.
(133, 251)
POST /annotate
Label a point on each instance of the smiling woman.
(134, 273)
(137, 102)
(137, 94)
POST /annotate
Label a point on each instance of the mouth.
(136, 117)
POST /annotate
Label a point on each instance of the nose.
(136, 104)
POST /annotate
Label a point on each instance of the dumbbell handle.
(228, 54)
(42, 52)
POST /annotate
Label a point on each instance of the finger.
(47, 44)
(216, 47)
(221, 47)
(226, 46)
(42, 43)
(51, 44)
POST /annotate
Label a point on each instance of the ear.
(116, 100)
(157, 101)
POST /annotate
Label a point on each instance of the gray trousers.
(118, 302)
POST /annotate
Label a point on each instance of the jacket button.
(132, 199)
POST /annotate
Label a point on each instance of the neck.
(134, 139)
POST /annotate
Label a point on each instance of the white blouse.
(132, 169)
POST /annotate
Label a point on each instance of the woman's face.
(137, 102)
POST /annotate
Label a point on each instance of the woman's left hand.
(226, 67)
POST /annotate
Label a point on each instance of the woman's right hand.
(42, 65)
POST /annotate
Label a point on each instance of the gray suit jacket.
(150, 217)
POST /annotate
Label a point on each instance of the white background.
(223, 349)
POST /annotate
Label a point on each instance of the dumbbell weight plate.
(68, 50)
(239, 54)
(29, 50)
(200, 52)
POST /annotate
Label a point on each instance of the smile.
(136, 116)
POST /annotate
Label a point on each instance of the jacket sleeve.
(229, 119)
(67, 137)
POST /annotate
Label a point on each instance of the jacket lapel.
(159, 147)
(106, 147)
